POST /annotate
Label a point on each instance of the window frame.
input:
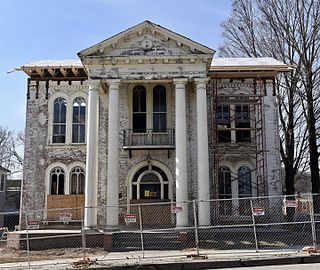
(149, 105)
(69, 122)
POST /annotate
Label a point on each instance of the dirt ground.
(8, 255)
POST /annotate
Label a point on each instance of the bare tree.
(287, 30)
(11, 146)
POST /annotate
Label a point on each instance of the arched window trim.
(161, 181)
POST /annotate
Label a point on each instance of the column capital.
(112, 82)
(200, 81)
(183, 81)
(93, 84)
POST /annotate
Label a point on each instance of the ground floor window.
(232, 185)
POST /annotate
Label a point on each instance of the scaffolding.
(232, 139)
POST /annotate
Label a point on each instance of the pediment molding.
(146, 39)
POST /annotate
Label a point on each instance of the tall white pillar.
(203, 155)
(91, 183)
(181, 151)
(113, 155)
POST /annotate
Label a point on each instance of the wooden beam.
(74, 71)
(27, 71)
(51, 72)
(63, 71)
(40, 71)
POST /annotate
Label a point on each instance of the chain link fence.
(154, 230)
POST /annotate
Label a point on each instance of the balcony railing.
(148, 139)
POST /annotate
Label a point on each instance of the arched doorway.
(149, 184)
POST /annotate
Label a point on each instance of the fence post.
(141, 234)
(254, 226)
(196, 227)
(313, 223)
(27, 237)
(83, 232)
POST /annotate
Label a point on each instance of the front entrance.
(150, 185)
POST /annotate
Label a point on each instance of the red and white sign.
(64, 217)
(176, 209)
(33, 224)
(130, 218)
(290, 203)
(258, 211)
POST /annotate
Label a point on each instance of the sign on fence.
(65, 217)
(130, 218)
(176, 209)
(258, 211)
(33, 224)
(289, 203)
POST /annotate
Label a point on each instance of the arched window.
(150, 182)
(79, 120)
(59, 120)
(77, 182)
(57, 179)
(139, 109)
(225, 192)
(244, 182)
(159, 109)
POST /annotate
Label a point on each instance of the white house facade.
(147, 116)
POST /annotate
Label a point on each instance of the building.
(149, 115)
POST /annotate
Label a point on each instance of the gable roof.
(111, 41)
(4, 169)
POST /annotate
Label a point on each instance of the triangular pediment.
(146, 39)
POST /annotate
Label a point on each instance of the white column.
(113, 155)
(181, 151)
(203, 155)
(91, 183)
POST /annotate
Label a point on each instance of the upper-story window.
(2, 182)
(234, 123)
(79, 120)
(159, 108)
(243, 121)
(223, 121)
(139, 109)
(57, 179)
(77, 181)
(59, 120)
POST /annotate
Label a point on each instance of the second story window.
(159, 109)
(79, 120)
(59, 121)
(223, 121)
(139, 109)
(243, 121)
(2, 182)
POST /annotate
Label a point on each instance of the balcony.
(148, 139)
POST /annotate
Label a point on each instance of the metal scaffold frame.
(256, 148)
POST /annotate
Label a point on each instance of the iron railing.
(149, 137)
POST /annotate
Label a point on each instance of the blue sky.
(41, 29)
